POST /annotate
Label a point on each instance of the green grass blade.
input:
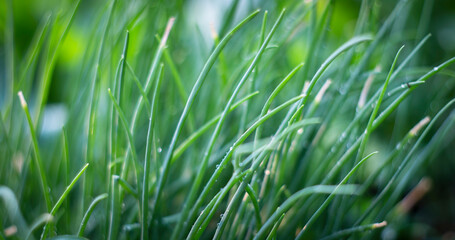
(43, 219)
(139, 86)
(128, 188)
(367, 133)
(404, 162)
(88, 213)
(145, 192)
(63, 197)
(286, 205)
(346, 232)
(275, 92)
(132, 147)
(67, 190)
(272, 234)
(39, 163)
(349, 44)
(198, 133)
(153, 67)
(254, 200)
(324, 205)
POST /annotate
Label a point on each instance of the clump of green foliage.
(267, 130)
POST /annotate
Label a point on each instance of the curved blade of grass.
(330, 197)
(112, 138)
(400, 147)
(259, 154)
(346, 232)
(118, 85)
(114, 212)
(128, 188)
(129, 136)
(395, 104)
(364, 110)
(232, 205)
(145, 192)
(38, 161)
(139, 86)
(178, 83)
(252, 84)
(351, 43)
(367, 133)
(175, 73)
(272, 234)
(272, 96)
(380, 119)
(255, 202)
(13, 210)
(369, 51)
(404, 162)
(344, 89)
(88, 213)
(269, 102)
(194, 92)
(63, 197)
(153, 67)
(274, 141)
(66, 159)
(261, 41)
(203, 220)
(286, 205)
(67, 190)
(45, 218)
(198, 133)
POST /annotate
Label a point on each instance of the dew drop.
(435, 69)
(343, 135)
(160, 150)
